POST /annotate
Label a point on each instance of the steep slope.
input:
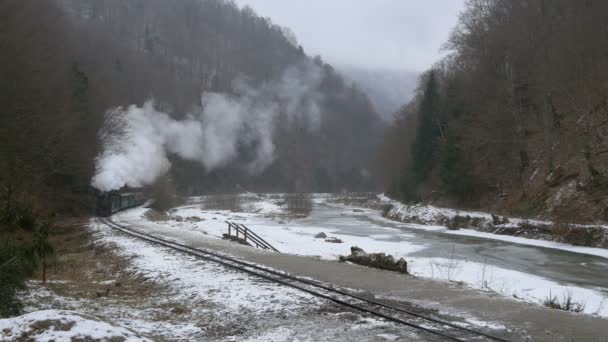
(65, 63)
(516, 118)
(174, 50)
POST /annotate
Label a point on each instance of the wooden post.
(229, 225)
(245, 234)
(237, 232)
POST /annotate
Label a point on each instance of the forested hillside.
(64, 63)
(515, 118)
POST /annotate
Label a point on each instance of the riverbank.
(567, 233)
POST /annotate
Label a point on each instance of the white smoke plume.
(138, 140)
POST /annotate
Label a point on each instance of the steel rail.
(197, 253)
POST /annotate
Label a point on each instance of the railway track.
(439, 329)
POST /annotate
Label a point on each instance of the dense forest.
(65, 63)
(515, 118)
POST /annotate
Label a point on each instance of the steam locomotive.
(109, 203)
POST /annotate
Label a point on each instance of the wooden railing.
(241, 232)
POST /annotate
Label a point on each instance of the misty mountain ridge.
(388, 89)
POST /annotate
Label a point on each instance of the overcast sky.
(396, 34)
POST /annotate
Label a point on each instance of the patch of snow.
(519, 285)
(533, 175)
(389, 337)
(107, 282)
(263, 207)
(60, 325)
(478, 323)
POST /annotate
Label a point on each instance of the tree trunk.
(43, 270)
(9, 198)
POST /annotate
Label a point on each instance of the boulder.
(321, 236)
(356, 250)
(497, 220)
(375, 260)
(333, 240)
(402, 264)
(386, 208)
(458, 222)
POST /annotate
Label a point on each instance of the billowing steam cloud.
(138, 140)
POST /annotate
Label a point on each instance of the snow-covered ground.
(193, 280)
(267, 217)
(60, 325)
(191, 300)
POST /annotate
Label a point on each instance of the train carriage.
(110, 203)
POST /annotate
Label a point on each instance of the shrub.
(19, 256)
(567, 303)
(163, 194)
(26, 219)
(16, 265)
(528, 209)
(299, 204)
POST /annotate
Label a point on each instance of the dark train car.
(110, 203)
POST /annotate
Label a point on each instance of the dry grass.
(95, 279)
(299, 204)
(83, 269)
(566, 303)
(231, 202)
(155, 216)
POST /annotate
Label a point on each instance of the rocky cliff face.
(575, 188)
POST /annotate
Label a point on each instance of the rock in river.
(376, 260)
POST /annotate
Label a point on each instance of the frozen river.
(561, 266)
